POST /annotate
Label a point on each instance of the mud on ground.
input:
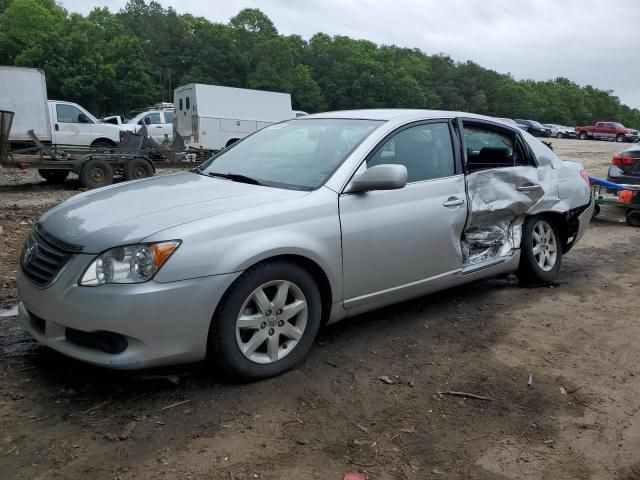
(577, 420)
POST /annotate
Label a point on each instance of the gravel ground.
(577, 420)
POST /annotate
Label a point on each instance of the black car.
(625, 167)
(534, 128)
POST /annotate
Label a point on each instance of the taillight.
(620, 160)
(585, 177)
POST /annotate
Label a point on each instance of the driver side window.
(426, 150)
(68, 114)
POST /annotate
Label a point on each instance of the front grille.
(43, 256)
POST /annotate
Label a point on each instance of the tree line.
(111, 62)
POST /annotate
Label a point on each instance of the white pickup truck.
(24, 91)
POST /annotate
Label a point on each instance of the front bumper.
(161, 323)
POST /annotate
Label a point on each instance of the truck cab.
(73, 125)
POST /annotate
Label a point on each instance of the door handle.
(159, 126)
(57, 127)
(453, 202)
(528, 188)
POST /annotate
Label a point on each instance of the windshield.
(618, 125)
(297, 154)
(535, 124)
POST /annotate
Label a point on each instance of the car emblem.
(28, 254)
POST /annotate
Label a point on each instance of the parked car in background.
(534, 128)
(625, 167)
(159, 123)
(608, 131)
(560, 131)
(303, 223)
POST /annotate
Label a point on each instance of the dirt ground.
(576, 340)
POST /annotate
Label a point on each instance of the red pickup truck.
(608, 131)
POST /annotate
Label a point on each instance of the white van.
(211, 117)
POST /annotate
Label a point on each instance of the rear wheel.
(54, 176)
(96, 173)
(596, 211)
(541, 251)
(266, 322)
(137, 168)
(633, 217)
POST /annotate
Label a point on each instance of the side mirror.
(82, 118)
(147, 121)
(379, 177)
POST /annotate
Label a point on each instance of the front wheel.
(583, 136)
(137, 168)
(266, 322)
(54, 177)
(620, 138)
(541, 252)
(560, 135)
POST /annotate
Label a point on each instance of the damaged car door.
(399, 243)
(503, 184)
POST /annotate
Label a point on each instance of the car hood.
(131, 211)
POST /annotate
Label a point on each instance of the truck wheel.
(137, 168)
(583, 136)
(541, 251)
(54, 177)
(96, 173)
(620, 138)
(633, 217)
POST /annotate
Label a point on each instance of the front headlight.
(128, 264)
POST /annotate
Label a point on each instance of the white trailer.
(24, 91)
(211, 117)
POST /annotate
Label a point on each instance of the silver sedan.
(303, 223)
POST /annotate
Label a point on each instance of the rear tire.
(633, 218)
(541, 251)
(137, 168)
(96, 173)
(596, 211)
(253, 340)
(54, 177)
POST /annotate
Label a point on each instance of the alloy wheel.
(545, 246)
(272, 321)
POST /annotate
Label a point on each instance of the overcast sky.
(592, 42)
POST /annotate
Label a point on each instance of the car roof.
(405, 114)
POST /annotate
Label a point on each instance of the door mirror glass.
(82, 118)
(379, 177)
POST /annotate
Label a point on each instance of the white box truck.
(211, 117)
(24, 91)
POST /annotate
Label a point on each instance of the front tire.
(620, 138)
(583, 136)
(560, 135)
(633, 218)
(137, 168)
(54, 176)
(266, 323)
(541, 251)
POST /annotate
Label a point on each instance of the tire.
(583, 136)
(137, 168)
(55, 177)
(560, 135)
(96, 173)
(103, 144)
(596, 211)
(249, 353)
(633, 218)
(531, 270)
(620, 138)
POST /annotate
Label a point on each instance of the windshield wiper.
(236, 177)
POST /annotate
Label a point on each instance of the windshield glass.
(618, 125)
(297, 154)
